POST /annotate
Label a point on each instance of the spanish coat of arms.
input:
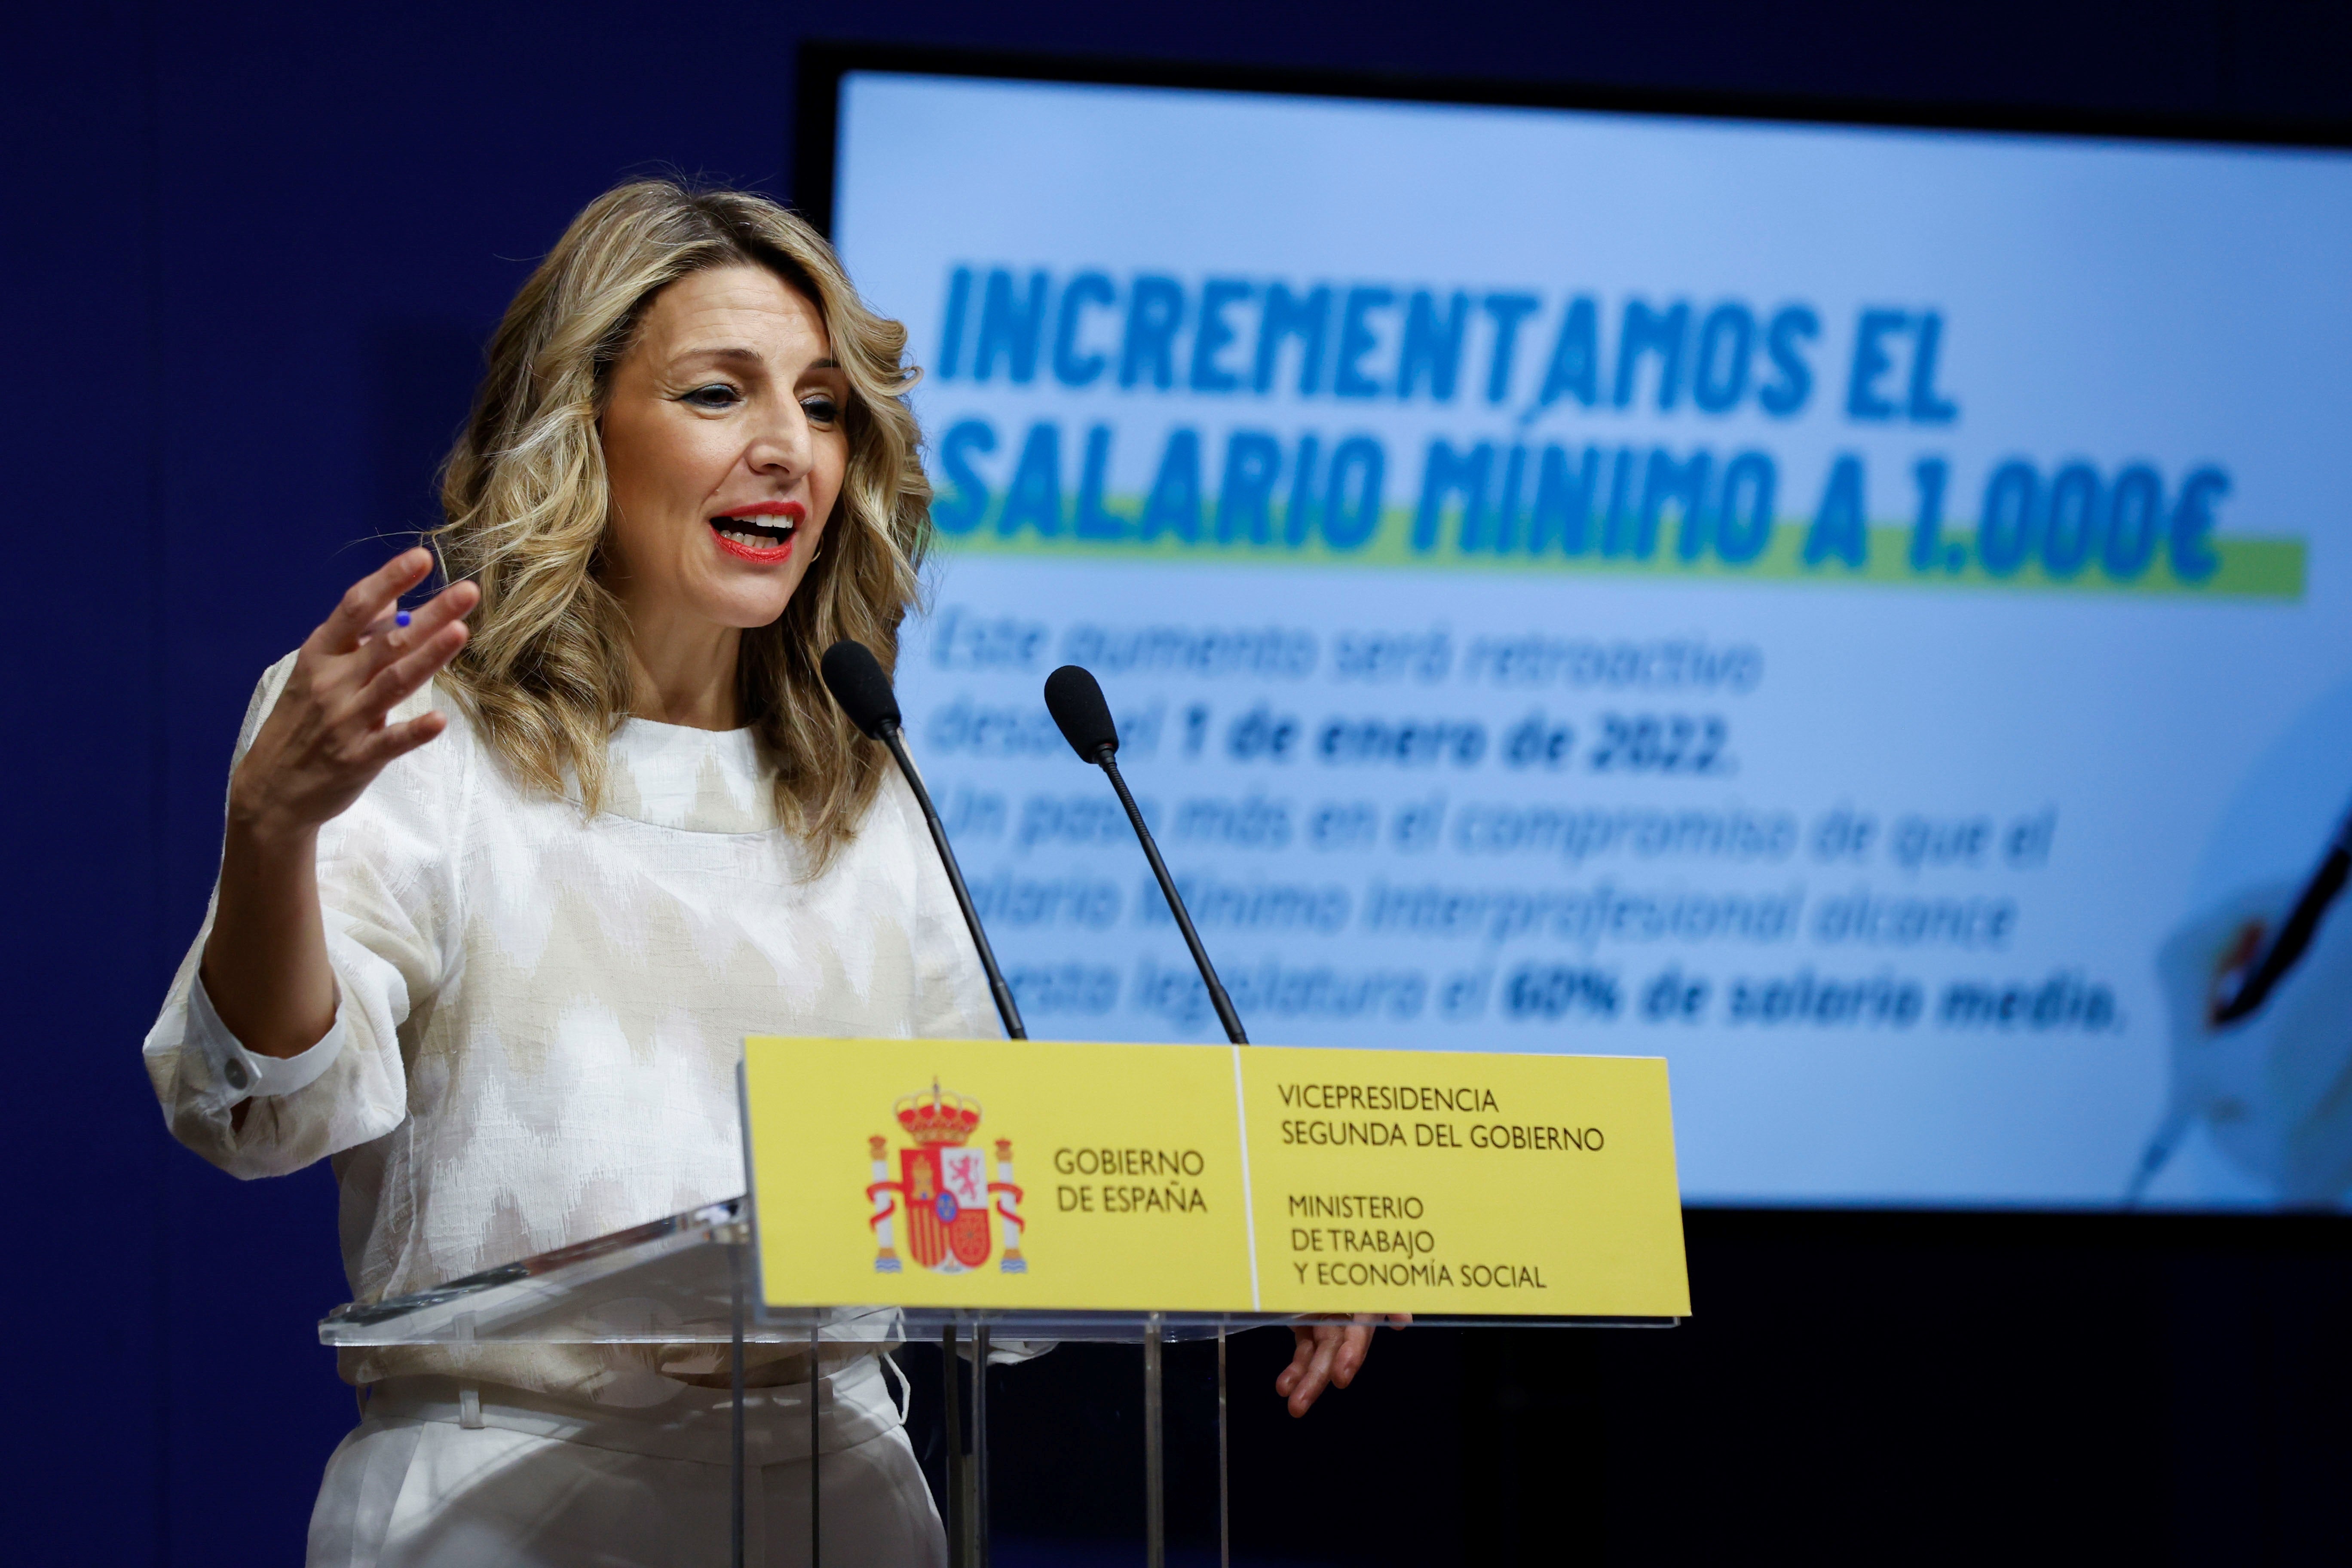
(944, 1192)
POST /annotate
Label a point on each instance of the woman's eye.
(821, 410)
(717, 395)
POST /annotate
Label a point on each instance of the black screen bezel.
(824, 62)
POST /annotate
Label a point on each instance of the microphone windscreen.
(1077, 706)
(855, 678)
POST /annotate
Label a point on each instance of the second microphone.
(1075, 701)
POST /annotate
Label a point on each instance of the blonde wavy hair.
(545, 675)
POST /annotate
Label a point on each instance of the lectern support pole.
(980, 1445)
(1225, 1463)
(1155, 1501)
(952, 1402)
(816, 1402)
(735, 1415)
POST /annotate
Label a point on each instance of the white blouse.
(541, 1012)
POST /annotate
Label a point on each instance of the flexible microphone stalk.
(1077, 706)
(856, 680)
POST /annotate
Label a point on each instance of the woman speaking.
(505, 881)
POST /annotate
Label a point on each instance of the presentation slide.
(1862, 612)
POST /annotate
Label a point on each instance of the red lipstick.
(761, 531)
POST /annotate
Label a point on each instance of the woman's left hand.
(1329, 1354)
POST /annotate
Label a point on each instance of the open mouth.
(767, 537)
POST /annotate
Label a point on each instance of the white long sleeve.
(387, 898)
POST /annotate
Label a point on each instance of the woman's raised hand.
(266, 966)
(327, 739)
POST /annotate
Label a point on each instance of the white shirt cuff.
(239, 1074)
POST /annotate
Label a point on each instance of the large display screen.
(1862, 613)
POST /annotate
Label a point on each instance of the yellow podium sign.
(1029, 1175)
(1444, 1183)
(997, 1173)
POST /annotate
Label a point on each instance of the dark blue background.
(251, 253)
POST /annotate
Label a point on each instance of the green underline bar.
(2272, 569)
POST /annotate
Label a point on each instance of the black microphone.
(1077, 706)
(855, 678)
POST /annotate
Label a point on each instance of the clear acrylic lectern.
(688, 1280)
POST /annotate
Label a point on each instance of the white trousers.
(444, 1475)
